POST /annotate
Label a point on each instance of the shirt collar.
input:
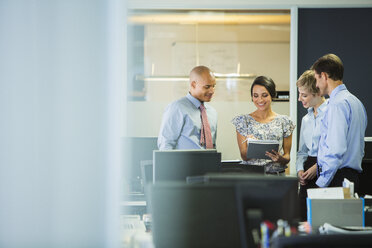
(310, 110)
(320, 108)
(193, 100)
(336, 90)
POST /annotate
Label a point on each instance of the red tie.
(205, 134)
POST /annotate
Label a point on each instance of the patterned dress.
(280, 127)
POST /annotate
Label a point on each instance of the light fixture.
(225, 18)
(218, 76)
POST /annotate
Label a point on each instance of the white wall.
(173, 50)
(59, 157)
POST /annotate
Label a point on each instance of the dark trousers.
(310, 161)
(351, 174)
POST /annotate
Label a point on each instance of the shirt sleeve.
(240, 124)
(302, 153)
(335, 142)
(288, 127)
(171, 128)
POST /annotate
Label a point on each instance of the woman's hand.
(276, 157)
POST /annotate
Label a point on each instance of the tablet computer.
(256, 149)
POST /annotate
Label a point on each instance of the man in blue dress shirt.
(341, 144)
(181, 124)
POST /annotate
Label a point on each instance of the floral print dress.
(277, 129)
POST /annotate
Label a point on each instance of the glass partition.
(163, 46)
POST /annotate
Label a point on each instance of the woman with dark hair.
(265, 124)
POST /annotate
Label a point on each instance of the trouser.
(351, 174)
(310, 161)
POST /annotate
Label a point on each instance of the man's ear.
(193, 84)
(325, 75)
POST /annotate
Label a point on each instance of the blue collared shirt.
(181, 124)
(342, 135)
(309, 135)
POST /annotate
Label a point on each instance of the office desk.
(141, 240)
(134, 234)
(133, 207)
(324, 241)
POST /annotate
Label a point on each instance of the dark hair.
(330, 64)
(266, 82)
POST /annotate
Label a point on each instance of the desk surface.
(324, 241)
(133, 203)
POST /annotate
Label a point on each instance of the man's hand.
(310, 173)
(301, 177)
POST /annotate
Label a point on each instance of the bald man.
(181, 126)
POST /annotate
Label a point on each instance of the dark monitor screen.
(147, 171)
(199, 215)
(266, 198)
(259, 198)
(276, 196)
(136, 149)
(177, 165)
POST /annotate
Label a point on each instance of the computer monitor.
(259, 198)
(202, 215)
(147, 173)
(177, 165)
(265, 198)
(135, 150)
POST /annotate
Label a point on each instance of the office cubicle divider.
(259, 198)
(228, 207)
(198, 216)
(324, 241)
